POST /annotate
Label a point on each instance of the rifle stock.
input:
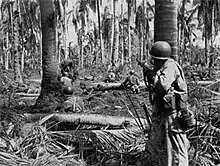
(147, 69)
(148, 73)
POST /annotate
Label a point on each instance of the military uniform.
(110, 77)
(167, 138)
(132, 82)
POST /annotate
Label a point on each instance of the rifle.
(145, 68)
(147, 73)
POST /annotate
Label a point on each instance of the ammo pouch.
(186, 118)
(169, 103)
(177, 102)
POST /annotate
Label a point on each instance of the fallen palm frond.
(214, 85)
(9, 159)
(41, 145)
(204, 137)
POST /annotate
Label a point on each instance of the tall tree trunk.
(51, 94)
(182, 30)
(122, 38)
(141, 37)
(81, 53)
(116, 35)
(112, 34)
(17, 46)
(165, 24)
(147, 36)
(207, 41)
(100, 32)
(63, 8)
(212, 38)
(129, 32)
(7, 52)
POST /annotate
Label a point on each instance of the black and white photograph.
(109, 83)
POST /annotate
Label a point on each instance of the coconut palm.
(142, 25)
(129, 30)
(185, 27)
(18, 77)
(51, 93)
(17, 18)
(165, 24)
(115, 46)
(208, 16)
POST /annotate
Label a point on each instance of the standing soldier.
(170, 115)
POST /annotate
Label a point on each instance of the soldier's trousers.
(169, 142)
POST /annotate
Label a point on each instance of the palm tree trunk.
(17, 47)
(51, 94)
(100, 32)
(81, 53)
(147, 36)
(129, 32)
(206, 38)
(182, 31)
(122, 38)
(112, 34)
(141, 37)
(7, 52)
(166, 17)
(116, 36)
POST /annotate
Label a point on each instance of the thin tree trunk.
(129, 32)
(81, 54)
(17, 48)
(141, 37)
(165, 24)
(211, 56)
(122, 38)
(206, 39)
(146, 34)
(7, 52)
(112, 34)
(182, 31)
(51, 94)
(64, 27)
(100, 32)
(116, 36)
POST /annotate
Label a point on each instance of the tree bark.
(51, 93)
(18, 77)
(112, 34)
(165, 24)
(182, 30)
(100, 32)
(129, 32)
(122, 38)
(116, 36)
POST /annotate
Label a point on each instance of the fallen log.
(27, 94)
(93, 119)
(205, 83)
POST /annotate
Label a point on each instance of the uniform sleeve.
(137, 81)
(165, 77)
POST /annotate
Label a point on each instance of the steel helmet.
(132, 71)
(68, 90)
(161, 50)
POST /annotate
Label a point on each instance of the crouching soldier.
(72, 103)
(132, 82)
(111, 76)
